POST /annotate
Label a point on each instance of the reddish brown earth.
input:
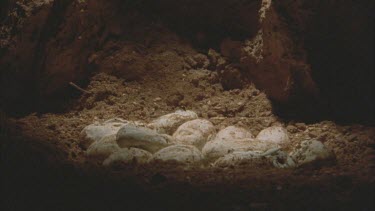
(53, 140)
(139, 69)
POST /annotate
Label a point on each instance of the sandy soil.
(200, 90)
(142, 79)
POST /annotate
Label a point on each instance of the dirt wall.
(311, 58)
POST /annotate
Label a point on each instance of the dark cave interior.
(139, 60)
(339, 48)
